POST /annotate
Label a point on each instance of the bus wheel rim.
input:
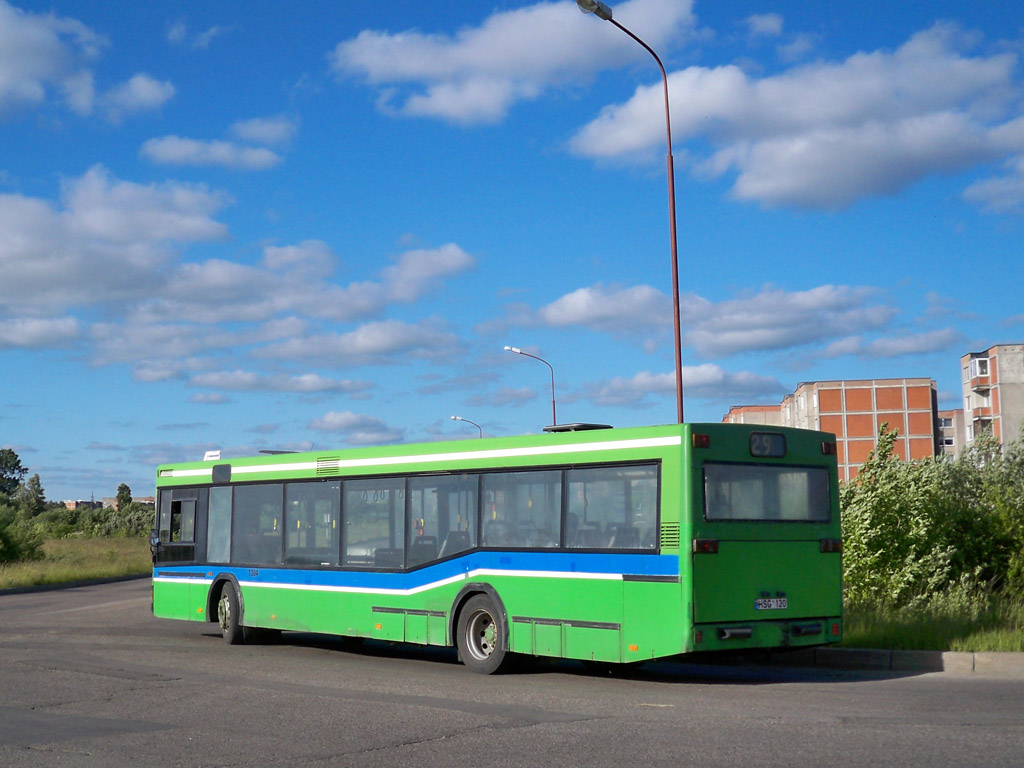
(482, 635)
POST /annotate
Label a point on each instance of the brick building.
(854, 411)
(993, 387)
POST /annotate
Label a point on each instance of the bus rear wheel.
(228, 615)
(480, 637)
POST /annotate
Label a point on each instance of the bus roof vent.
(577, 427)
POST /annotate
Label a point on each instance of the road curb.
(1001, 664)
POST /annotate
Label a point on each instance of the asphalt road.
(89, 678)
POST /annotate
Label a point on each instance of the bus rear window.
(766, 493)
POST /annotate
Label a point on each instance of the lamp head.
(595, 7)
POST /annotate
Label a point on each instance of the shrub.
(912, 530)
(18, 539)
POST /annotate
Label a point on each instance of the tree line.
(27, 519)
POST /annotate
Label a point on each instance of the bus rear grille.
(670, 536)
(327, 465)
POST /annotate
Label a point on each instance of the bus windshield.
(766, 493)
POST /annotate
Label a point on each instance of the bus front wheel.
(480, 638)
(228, 615)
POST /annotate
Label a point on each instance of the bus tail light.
(705, 546)
(829, 449)
(701, 441)
(830, 545)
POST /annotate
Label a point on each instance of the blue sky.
(247, 226)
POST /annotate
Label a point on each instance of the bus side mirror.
(154, 539)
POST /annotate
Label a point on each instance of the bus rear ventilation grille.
(327, 465)
(670, 536)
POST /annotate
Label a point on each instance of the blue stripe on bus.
(568, 563)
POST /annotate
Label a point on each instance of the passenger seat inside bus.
(455, 541)
(422, 550)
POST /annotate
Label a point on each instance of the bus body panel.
(747, 580)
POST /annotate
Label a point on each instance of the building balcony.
(981, 384)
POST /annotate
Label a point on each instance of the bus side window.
(522, 509)
(442, 516)
(616, 507)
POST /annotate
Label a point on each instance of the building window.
(946, 423)
(979, 367)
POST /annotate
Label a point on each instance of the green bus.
(610, 545)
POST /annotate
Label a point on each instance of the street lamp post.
(518, 351)
(602, 11)
(459, 418)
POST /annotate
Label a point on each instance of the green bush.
(914, 530)
(18, 539)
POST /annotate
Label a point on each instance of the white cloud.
(313, 259)
(1001, 194)
(141, 93)
(627, 309)
(476, 75)
(211, 398)
(776, 319)
(771, 319)
(305, 383)
(175, 150)
(764, 25)
(266, 130)
(705, 381)
(419, 271)
(108, 240)
(40, 52)
(38, 332)
(295, 279)
(387, 341)
(899, 345)
(504, 397)
(178, 34)
(203, 39)
(358, 429)
(827, 134)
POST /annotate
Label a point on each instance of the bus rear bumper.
(778, 634)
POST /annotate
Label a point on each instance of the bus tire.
(229, 615)
(483, 648)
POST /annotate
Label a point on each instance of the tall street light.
(459, 418)
(518, 351)
(602, 11)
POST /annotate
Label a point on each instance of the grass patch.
(979, 623)
(75, 559)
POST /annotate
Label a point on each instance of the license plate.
(771, 603)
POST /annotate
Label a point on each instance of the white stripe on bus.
(430, 458)
(410, 591)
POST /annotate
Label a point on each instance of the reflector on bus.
(705, 546)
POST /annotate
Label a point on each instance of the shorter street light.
(459, 418)
(518, 351)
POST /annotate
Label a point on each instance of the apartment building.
(855, 410)
(952, 432)
(993, 388)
